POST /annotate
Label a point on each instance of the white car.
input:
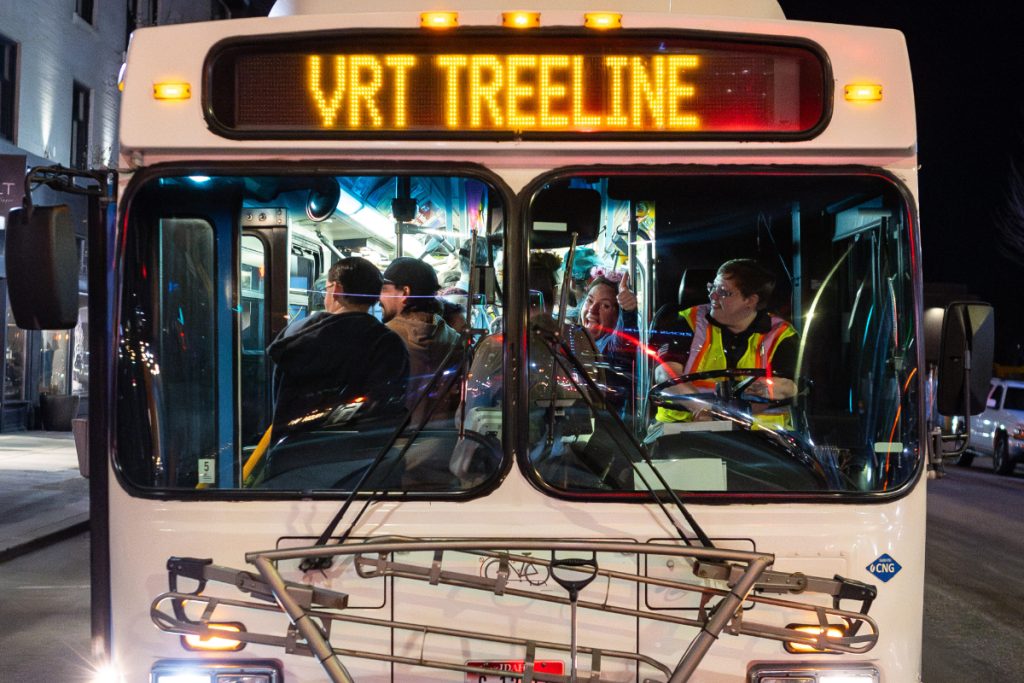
(999, 430)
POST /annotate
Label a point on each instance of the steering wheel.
(728, 397)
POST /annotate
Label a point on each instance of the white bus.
(561, 497)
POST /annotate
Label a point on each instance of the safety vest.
(708, 353)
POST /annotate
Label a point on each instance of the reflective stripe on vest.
(707, 353)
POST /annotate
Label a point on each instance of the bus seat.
(692, 292)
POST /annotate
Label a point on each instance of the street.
(975, 576)
(44, 614)
(973, 596)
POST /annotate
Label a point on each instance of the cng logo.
(884, 567)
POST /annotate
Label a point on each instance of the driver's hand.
(684, 388)
(775, 388)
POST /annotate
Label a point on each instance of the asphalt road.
(44, 614)
(974, 597)
(974, 569)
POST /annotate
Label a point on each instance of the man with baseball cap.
(412, 311)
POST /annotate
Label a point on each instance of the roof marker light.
(520, 19)
(863, 92)
(602, 21)
(439, 20)
(172, 91)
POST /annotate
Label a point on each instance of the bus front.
(585, 350)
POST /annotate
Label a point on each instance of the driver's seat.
(692, 292)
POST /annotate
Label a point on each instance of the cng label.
(884, 567)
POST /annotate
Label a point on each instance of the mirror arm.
(62, 179)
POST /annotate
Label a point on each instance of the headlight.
(203, 671)
(807, 672)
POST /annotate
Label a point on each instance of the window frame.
(9, 71)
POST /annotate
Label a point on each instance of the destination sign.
(493, 87)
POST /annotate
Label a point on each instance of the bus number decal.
(207, 471)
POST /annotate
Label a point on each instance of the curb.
(74, 529)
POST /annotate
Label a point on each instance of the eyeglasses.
(719, 291)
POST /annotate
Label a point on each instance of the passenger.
(585, 265)
(733, 330)
(453, 308)
(609, 315)
(558, 411)
(341, 363)
(609, 312)
(412, 311)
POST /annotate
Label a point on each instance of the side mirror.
(557, 212)
(968, 333)
(42, 268)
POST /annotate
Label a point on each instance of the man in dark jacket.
(341, 364)
(411, 310)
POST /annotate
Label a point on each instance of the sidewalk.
(42, 494)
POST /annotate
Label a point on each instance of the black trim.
(103, 299)
(214, 93)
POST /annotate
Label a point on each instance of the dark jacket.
(329, 364)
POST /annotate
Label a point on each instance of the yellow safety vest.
(708, 353)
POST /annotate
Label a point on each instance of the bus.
(554, 499)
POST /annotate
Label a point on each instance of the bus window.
(748, 334)
(285, 381)
(305, 265)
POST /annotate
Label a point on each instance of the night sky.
(968, 68)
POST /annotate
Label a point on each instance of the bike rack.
(312, 611)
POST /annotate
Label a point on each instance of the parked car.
(999, 431)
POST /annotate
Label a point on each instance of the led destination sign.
(493, 87)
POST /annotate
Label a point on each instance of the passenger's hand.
(626, 298)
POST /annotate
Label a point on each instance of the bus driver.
(733, 330)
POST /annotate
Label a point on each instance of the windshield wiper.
(570, 362)
(314, 563)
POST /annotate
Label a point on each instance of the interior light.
(863, 92)
(211, 643)
(520, 19)
(439, 19)
(602, 20)
(199, 179)
(831, 631)
(172, 91)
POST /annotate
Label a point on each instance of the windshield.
(307, 332)
(724, 333)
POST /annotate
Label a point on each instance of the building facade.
(59, 67)
(59, 63)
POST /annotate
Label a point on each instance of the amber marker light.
(439, 20)
(831, 631)
(172, 91)
(602, 21)
(863, 92)
(520, 19)
(197, 643)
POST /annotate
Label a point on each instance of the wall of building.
(57, 48)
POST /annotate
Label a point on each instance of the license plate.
(500, 667)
